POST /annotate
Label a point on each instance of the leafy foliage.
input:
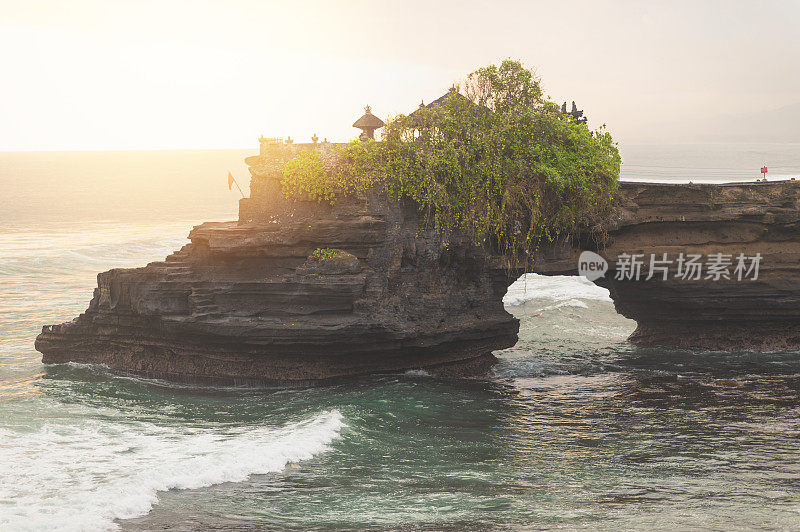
(324, 254)
(494, 160)
(304, 178)
(325, 176)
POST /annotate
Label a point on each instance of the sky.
(118, 74)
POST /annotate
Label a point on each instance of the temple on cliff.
(254, 300)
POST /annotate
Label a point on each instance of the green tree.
(495, 160)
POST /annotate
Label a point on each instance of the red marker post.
(764, 171)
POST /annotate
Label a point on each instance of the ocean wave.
(570, 303)
(520, 363)
(559, 288)
(85, 476)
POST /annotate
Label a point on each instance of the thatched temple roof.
(368, 120)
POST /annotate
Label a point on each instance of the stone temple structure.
(368, 123)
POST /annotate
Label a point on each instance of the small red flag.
(230, 180)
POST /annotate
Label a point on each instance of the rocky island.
(409, 271)
(251, 301)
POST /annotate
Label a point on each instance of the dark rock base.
(719, 335)
(231, 364)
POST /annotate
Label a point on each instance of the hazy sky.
(213, 74)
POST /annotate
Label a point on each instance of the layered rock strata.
(723, 309)
(305, 291)
(249, 301)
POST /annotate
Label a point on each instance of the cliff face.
(247, 302)
(711, 312)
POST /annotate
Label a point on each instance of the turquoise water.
(575, 429)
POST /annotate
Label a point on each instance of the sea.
(575, 429)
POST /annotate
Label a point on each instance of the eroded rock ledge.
(246, 302)
(724, 314)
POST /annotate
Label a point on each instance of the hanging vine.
(495, 160)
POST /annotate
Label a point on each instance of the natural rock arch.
(242, 304)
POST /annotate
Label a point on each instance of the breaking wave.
(559, 290)
(85, 476)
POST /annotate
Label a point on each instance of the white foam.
(84, 476)
(572, 290)
(570, 303)
(417, 373)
